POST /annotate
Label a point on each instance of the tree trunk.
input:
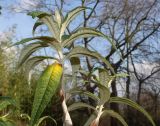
(139, 92)
(114, 106)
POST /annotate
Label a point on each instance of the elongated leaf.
(58, 18)
(90, 119)
(48, 20)
(86, 93)
(29, 50)
(69, 17)
(34, 61)
(79, 105)
(44, 118)
(75, 64)
(5, 122)
(83, 33)
(83, 51)
(46, 87)
(46, 39)
(37, 24)
(115, 115)
(38, 14)
(25, 116)
(104, 94)
(132, 104)
(104, 77)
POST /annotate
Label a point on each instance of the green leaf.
(90, 119)
(104, 94)
(79, 105)
(46, 39)
(58, 18)
(132, 104)
(37, 24)
(4, 104)
(25, 116)
(44, 118)
(104, 77)
(48, 20)
(69, 17)
(28, 50)
(115, 115)
(6, 101)
(34, 61)
(83, 51)
(83, 33)
(75, 64)
(38, 14)
(46, 87)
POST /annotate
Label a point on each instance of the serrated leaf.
(79, 105)
(83, 51)
(132, 104)
(69, 17)
(28, 50)
(115, 115)
(46, 87)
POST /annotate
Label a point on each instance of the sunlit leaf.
(46, 87)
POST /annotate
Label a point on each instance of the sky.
(24, 23)
(8, 19)
(21, 20)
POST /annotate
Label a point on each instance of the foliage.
(52, 79)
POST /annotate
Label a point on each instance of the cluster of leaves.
(52, 79)
(5, 102)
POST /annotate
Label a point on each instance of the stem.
(67, 119)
